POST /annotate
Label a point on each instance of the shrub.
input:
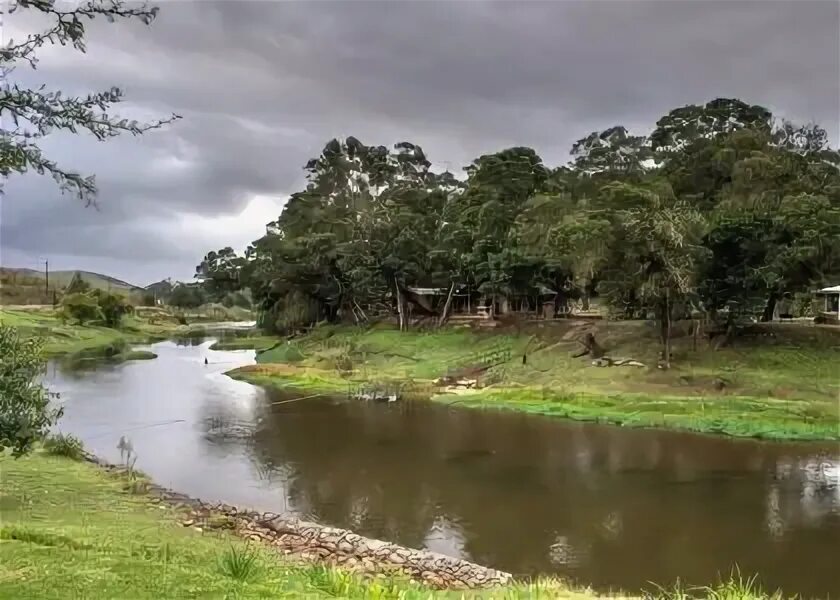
(112, 307)
(81, 307)
(67, 445)
(25, 412)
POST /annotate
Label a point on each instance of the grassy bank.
(96, 341)
(66, 338)
(779, 383)
(71, 530)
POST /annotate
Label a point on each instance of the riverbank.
(778, 383)
(89, 341)
(70, 527)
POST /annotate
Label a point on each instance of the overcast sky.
(262, 86)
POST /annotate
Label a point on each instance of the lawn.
(71, 530)
(62, 337)
(65, 338)
(781, 383)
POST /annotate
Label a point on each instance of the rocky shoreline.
(327, 545)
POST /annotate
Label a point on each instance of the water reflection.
(608, 506)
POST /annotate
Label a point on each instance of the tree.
(655, 253)
(35, 113)
(84, 308)
(186, 295)
(25, 411)
(731, 212)
(112, 307)
(220, 273)
(613, 150)
(689, 124)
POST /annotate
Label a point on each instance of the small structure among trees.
(831, 304)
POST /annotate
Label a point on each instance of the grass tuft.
(239, 563)
(61, 444)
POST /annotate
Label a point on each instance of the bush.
(148, 299)
(112, 307)
(187, 296)
(81, 307)
(65, 445)
(25, 412)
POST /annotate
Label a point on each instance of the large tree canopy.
(721, 208)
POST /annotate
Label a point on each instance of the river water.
(604, 506)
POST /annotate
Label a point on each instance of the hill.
(27, 286)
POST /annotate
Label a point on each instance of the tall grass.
(67, 445)
(239, 563)
(735, 587)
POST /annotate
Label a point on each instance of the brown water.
(605, 506)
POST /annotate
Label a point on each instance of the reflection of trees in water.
(190, 340)
(807, 491)
(524, 493)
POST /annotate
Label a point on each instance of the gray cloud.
(262, 86)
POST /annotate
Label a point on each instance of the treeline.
(721, 209)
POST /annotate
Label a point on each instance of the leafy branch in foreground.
(35, 113)
(25, 411)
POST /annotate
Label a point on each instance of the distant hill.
(26, 286)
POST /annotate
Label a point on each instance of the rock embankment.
(340, 547)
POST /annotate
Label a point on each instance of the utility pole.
(47, 277)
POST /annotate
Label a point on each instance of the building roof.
(835, 289)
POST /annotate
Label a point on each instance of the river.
(604, 506)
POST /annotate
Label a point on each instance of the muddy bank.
(313, 542)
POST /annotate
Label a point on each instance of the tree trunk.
(400, 307)
(666, 331)
(361, 312)
(445, 315)
(770, 307)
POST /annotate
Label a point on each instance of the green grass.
(70, 530)
(137, 355)
(780, 386)
(729, 415)
(95, 341)
(66, 445)
(249, 342)
(69, 338)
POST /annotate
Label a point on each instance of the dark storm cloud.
(262, 86)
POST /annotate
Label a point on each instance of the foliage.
(96, 305)
(66, 445)
(25, 411)
(187, 296)
(220, 273)
(239, 563)
(721, 209)
(113, 307)
(82, 308)
(36, 112)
